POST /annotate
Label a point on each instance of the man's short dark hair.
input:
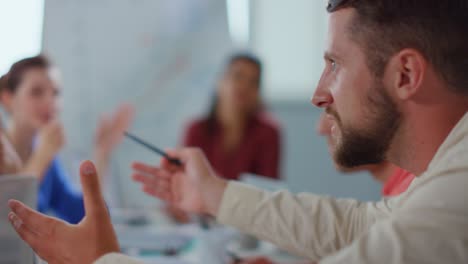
(436, 28)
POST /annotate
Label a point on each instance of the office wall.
(163, 56)
(290, 35)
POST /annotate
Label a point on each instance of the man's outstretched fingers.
(151, 170)
(163, 195)
(31, 238)
(34, 221)
(144, 179)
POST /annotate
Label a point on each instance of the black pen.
(234, 257)
(154, 149)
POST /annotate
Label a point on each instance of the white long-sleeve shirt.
(426, 224)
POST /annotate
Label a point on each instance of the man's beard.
(368, 145)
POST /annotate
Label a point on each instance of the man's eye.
(333, 65)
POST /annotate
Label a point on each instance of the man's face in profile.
(363, 117)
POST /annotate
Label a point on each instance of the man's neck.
(422, 134)
(382, 171)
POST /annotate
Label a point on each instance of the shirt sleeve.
(430, 227)
(114, 258)
(270, 156)
(66, 201)
(307, 225)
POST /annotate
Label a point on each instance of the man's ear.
(405, 73)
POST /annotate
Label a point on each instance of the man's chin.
(338, 167)
(347, 170)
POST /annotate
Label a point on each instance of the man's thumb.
(93, 200)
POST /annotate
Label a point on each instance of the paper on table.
(12, 249)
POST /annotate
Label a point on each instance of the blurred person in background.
(30, 95)
(238, 135)
(10, 163)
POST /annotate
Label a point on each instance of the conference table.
(151, 236)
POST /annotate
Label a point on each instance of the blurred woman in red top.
(237, 135)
